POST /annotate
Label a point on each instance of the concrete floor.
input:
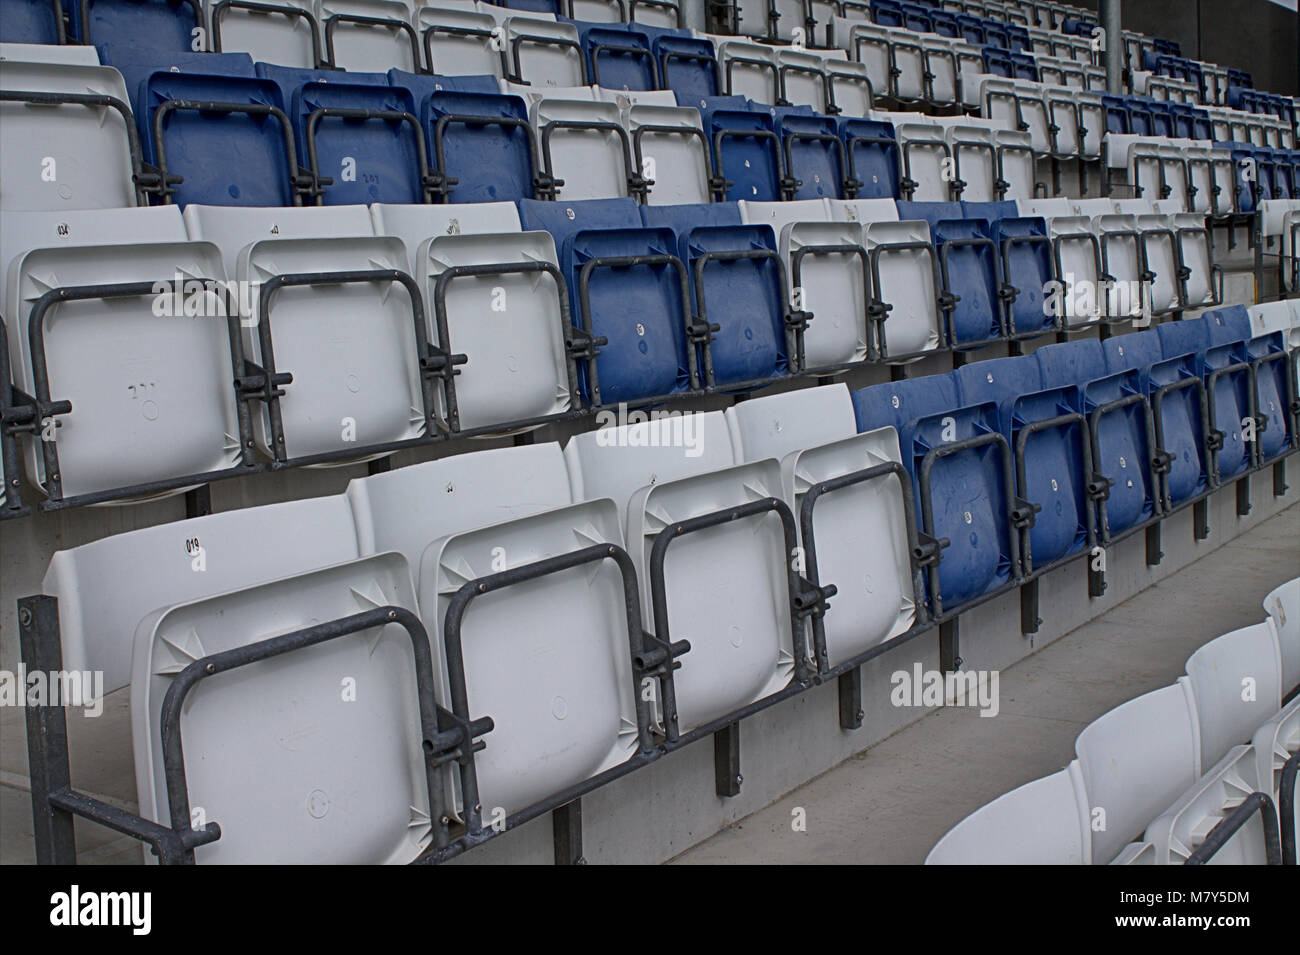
(892, 803)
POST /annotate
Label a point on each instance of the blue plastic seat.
(291, 78)
(1052, 461)
(968, 269)
(972, 29)
(998, 62)
(639, 309)
(481, 148)
(239, 150)
(959, 464)
(367, 139)
(746, 152)
(687, 66)
(146, 24)
(617, 58)
(814, 155)
(1176, 392)
(887, 13)
(872, 151)
(1268, 355)
(136, 65)
(31, 21)
(1119, 427)
(1229, 386)
(738, 289)
(1025, 254)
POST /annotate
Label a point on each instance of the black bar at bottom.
(726, 761)
(1201, 519)
(566, 825)
(850, 689)
(47, 733)
(949, 646)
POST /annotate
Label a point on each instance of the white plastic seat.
(803, 79)
(1015, 163)
(286, 39)
(924, 151)
(460, 42)
(626, 99)
(549, 660)
(1135, 761)
(1272, 745)
(1043, 822)
(413, 224)
(863, 210)
(1173, 167)
(849, 87)
(907, 282)
(67, 54)
(831, 285)
(593, 161)
(1162, 259)
(1178, 831)
(351, 347)
(726, 586)
(974, 152)
(908, 59)
(942, 69)
(868, 44)
(665, 14)
(70, 155)
(598, 11)
(1283, 608)
(408, 508)
(543, 53)
(532, 95)
(103, 595)
(1194, 252)
(511, 325)
(813, 433)
(1121, 257)
(677, 163)
(338, 782)
(749, 70)
(367, 46)
(151, 392)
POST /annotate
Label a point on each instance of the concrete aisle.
(892, 803)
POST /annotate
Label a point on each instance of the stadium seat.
(1050, 445)
(373, 389)
(619, 59)
(82, 152)
(497, 296)
(640, 309)
(97, 290)
(459, 42)
(362, 144)
(829, 278)
(1178, 401)
(1044, 822)
(308, 807)
(158, 24)
(369, 35)
(272, 31)
(542, 53)
(1136, 760)
(32, 21)
(733, 563)
(872, 151)
(585, 150)
(1235, 682)
(863, 493)
(963, 470)
(747, 153)
(672, 154)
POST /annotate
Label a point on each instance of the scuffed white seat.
(1044, 822)
(813, 433)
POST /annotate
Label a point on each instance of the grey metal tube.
(1114, 50)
